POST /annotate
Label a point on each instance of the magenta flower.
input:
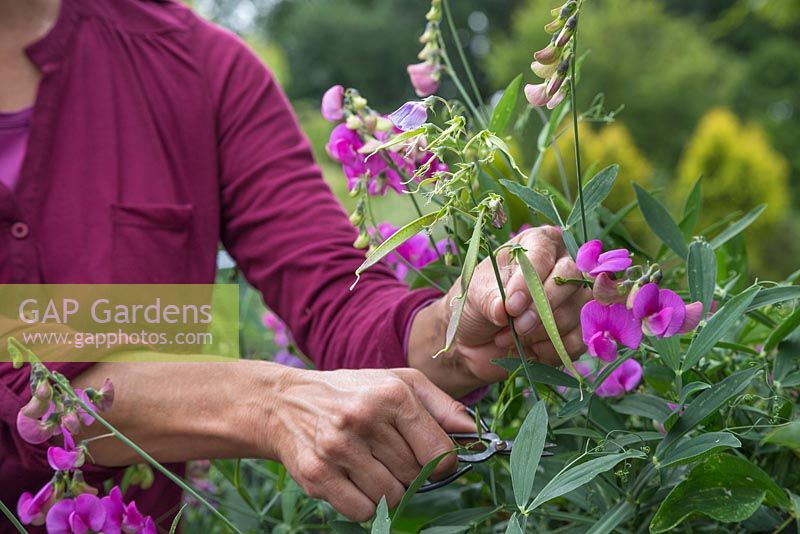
(36, 431)
(410, 116)
(417, 251)
(592, 260)
(436, 165)
(605, 326)
(32, 509)
(280, 333)
(68, 458)
(623, 379)
(694, 314)
(78, 516)
(424, 77)
(662, 311)
(284, 357)
(606, 290)
(332, 104)
(124, 518)
(537, 94)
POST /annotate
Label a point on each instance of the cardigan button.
(20, 230)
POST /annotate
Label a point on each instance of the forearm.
(184, 411)
(426, 338)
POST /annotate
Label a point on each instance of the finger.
(392, 451)
(375, 481)
(567, 318)
(320, 481)
(545, 352)
(544, 248)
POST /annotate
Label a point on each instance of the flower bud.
(35, 408)
(357, 217)
(554, 26)
(362, 241)
(382, 124)
(78, 485)
(565, 10)
(354, 122)
(429, 35)
(43, 391)
(357, 188)
(558, 97)
(608, 291)
(567, 31)
(536, 94)
(359, 102)
(547, 55)
(496, 211)
(434, 14)
(543, 71)
(71, 421)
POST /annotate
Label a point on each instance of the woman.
(136, 137)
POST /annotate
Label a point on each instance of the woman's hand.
(484, 333)
(351, 437)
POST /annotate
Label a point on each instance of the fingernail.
(497, 310)
(526, 322)
(517, 303)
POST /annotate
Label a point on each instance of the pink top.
(155, 136)
(14, 128)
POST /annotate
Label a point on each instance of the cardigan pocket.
(151, 243)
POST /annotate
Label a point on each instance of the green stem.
(67, 388)
(11, 517)
(430, 237)
(461, 89)
(517, 342)
(574, 105)
(457, 41)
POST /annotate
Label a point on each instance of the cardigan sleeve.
(286, 230)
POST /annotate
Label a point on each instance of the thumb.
(451, 415)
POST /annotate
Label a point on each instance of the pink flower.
(67, 458)
(694, 313)
(279, 330)
(410, 116)
(661, 311)
(417, 251)
(537, 94)
(556, 99)
(436, 165)
(624, 378)
(124, 518)
(284, 357)
(607, 291)
(592, 260)
(346, 146)
(424, 77)
(36, 431)
(332, 104)
(605, 326)
(33, 509)
(77, 516)
(547, 55)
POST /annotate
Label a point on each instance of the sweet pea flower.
(607, 290)
(410, 116)
(279, 331)
(124, 518)
(623, 379)
(605, 326)
(694, 314)
(36, 431)
(662, 311)
(592, 260)
(67, 458)
(284, 357)
(32, 509)
(76, 516)
(424, 77)
(435, 165)
(537, 94)
(417, 251)
(332, 104)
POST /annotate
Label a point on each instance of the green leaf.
(416, 484)
(724, 488)
(706, 403)
(669, 348)
(719, 325)
(527, 453)
(543, 309)
(569, 242)
(692, 449)
(594, 193)
(783, 330)
(382, 524)
(513, 526)
(661, 222)
(702, 273)
(505, 106)
(643, 405)
(787, 435)
(737, 227)
(534, 200)
(395, 240)
(692, 209)
(396, 140)
(577, 476)
(470, 262)
(615, 516)
(452, 529)
(465, 518)
(175, 522)
(774, 295)
(796, 508)
(543, 374)
(556, 117)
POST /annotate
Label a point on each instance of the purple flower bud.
(424, 77)
(332, 104)
(71, 422)
(35, 408)
(536, 94)
(43, 391)
(566, 32)
(553, 85)
(557, 98)
(547, 55)
(410, 116)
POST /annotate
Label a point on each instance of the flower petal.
(624, 326)
(669, 299)
(58, 517)
(692, 317)
(646, 301)
(410, 116)
(91, 510)
(594, 317)
(658, 323)
(601, 346)
(332, 103)
(33, 431)
(537, 94)
(588, 255)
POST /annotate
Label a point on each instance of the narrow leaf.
(382, 524)
(594, 193)
(416, 484)
(513, 526)
(579, 475)
(737, 227)
(786, 327)
(175, 522)
(542, 373)
(692, 449)
(505, 106)
(774, 295)
(702, 273)
(527, 453)
(614, 517)
(534, 200)
(719, 325)
(643, 405)
(692, 209)
(398, 238)
(787, 435)
(661, 222)
(345, 527)
(12, 518)
(669, 348)
(543, 309)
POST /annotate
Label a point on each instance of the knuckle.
(331, 443)
(394, 496)
(397, 392)
(314, 476)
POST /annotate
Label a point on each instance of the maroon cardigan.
(156, 136)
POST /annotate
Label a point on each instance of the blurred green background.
(709, 87)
